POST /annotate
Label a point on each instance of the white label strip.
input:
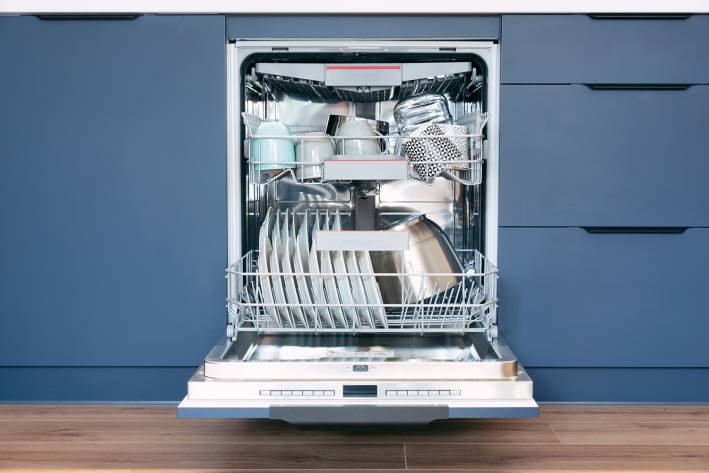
(371, 75)
(376, 240)
(365, 169)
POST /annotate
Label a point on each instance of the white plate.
(374, 295)
(301, 266)
(275, 233)
(331, 293)
(365, 316)
(265, 281)
(316, 282)
(289, 281)
(263, 231)
(285, 232)
(343, 283)
(277, 279)
(303, 289)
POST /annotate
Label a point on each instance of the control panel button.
(318, 393)
(297, 393)
(413, 393)
(423, 393)
(287, 393)
(444, 392)
(275, 393)
(401, 393)
(307, 393)
(329, 393)
(264, 393)
(455, 392)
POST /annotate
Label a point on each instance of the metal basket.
(463, 164)
(469, 306)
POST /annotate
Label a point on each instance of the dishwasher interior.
(362, 284)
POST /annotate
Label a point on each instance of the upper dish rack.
(469, 306)
(362, 83)
(455, 152)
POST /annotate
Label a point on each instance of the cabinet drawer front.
(363, 26)
(571, 298)
(574, 156)
(554, 49)
(112, 194)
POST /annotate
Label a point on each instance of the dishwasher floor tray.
(368, 356)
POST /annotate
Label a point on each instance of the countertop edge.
(361, 7)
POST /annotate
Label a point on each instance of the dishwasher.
(362, 187)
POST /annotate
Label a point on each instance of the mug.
(310, 154)
(279, 152)
(358, 146)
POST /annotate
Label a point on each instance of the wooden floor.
(142, 438)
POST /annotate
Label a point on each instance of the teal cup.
(272, 147)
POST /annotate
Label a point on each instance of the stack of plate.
(301, 287)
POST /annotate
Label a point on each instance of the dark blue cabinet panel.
(363, 26)
(630, 385)
(94, 383)
(573, 156)
(574, 299)
(558, 49)
(112, 190)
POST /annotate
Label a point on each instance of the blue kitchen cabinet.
(112, 192)
(571, 155)
(614, 385)
(570, 298)
(363, 26)
(564, 49)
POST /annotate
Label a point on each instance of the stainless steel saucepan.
(429, 252)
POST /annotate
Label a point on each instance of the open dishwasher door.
(362, 210)
(358, 379)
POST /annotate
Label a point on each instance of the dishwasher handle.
(359, 414)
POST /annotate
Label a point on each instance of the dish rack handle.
(358, 240)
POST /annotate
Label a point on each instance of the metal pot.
(413, 112)
(429, 252)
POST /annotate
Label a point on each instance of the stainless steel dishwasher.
(337, 309)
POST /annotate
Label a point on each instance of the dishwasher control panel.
(363, 391)
(422, 392)
(296, 393)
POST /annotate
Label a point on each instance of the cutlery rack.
(278, 82)
(469, 306)
(465, 167)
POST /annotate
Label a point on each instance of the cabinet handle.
(638, 86)
(635, 230)
(74, 16)
(639, 16)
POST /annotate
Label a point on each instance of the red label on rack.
(363, 68)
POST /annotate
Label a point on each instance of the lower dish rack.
(468, 306)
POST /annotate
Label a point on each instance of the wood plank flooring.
(141, 439)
